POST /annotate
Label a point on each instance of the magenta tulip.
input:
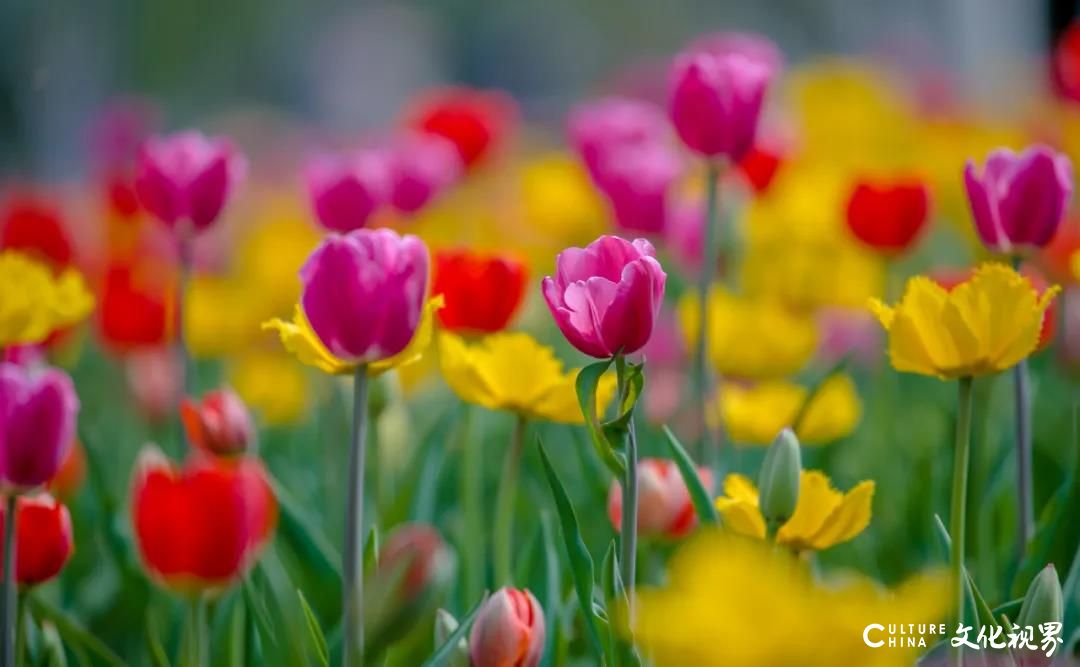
(37, 425)
(346, 189)
(598, 128)
(718, 88)
(508, 631)
(187, 178)
(1018, 200)
(606, 297)
(421, 166)
(638, 181)
(363, 293)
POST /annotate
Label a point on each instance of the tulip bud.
(779, 481)
(44, 540)
(37, 424)
(509, 630)
(1042, 602)
(220, 424)
(445, 625)
(664, 505)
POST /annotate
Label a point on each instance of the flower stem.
(504, 505)
(196, 632)
(628, 530)
(7, 605)
(183, 355)
(352, 569)
(472, 498)
(705, 279)
(958, 518)
(1022, 401)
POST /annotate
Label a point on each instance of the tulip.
(155, 380)
(1018, 200)
(37, 425)
(363, 293)
(219, 424)
(779, 480)
(888, 216)
(34, 226)
(475, 121)
(605, 297)
(638, 182)
(482, 292)
(44, 540)
(598, 128)
(664, 505)
(445, 626)
(718, 87)
(137, 304)
(508, 631)
(759, 166)
(35, 302)
(1042, 602)
(187, 178)
(200, 527)
(1065, 66)
(346, 190)
(421, 166)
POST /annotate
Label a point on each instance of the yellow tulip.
(300, 340)
(750, 338)
(755, 414)
(823, 516)
(513, 372)
(34, 303)
(730, 601)
(984, 325)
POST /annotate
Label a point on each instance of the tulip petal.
(848, 519)
(817, 501)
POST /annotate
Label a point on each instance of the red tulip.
(135, 308)
(43, 540)
(482, 292)
(34, 225)
(759, 167)
(1065, 71)
(219, 424)
(664, 505)
(888, 216)
(475, 121)
(508, 631)
(202, 526)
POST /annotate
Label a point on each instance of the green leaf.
(52, 647)
(158, 655)
(616, 429)
(318, 639)
(371, 550)
(588, 379)
(703, 503)
(982, 610)
(71, 631)
(581, 563)
(552, 584)
(315, 565)
(443, 653)
(257, 608)
(609, 578)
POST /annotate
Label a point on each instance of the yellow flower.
(300, 340)
(271, 383)
(823, 516)
(270, 255)
(34, 303)
(750, 338)
(731, 601)
(218, 317)
(755, 414)
(984, 325)
(513, 372)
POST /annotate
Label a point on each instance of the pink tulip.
(664, 505)
(187, 178)
(718, 87)
(638, 181)
(219, 424)
(597, 128)
(1019, 199)
(684, 233)
(346, 189)
(363, 293)
(421, 166)
(508, 631)
(606, 297)
(37, 425)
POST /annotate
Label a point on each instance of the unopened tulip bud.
(446, 625)
(508, 631)
(220, 424)
(1042, 602)
(664, 506)
(44, 539)
(779, 482)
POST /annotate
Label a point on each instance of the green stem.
(628, 530)
(1022, 411)
(183, 354)
(472, 495)
(197, 633)
(352, 569)
(958, 519)
(705, 279)
(504, 506)
(20, 629)
(7, 604)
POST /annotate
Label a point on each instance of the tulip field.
(750, 360)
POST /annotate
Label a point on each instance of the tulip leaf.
(318, 639)
(71, 631)
(588, 379)
(308, 554)
(634, 380)
(446, 650)
(581, 563)
(553, 586)
(983, 612)
(371, 550)
(259, 611)
(699, 495)
(609, 578)
(158, 655)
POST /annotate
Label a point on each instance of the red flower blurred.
(218, 424)
(1065, 66)
(482, 292)
(67, 480)
(202, 526)
(759, 167)
(33, 225)
(1056, 258)
(43, 539)
(136, 307)
(475, 121)
(950, 278)
(664, 505)
(888, 215)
